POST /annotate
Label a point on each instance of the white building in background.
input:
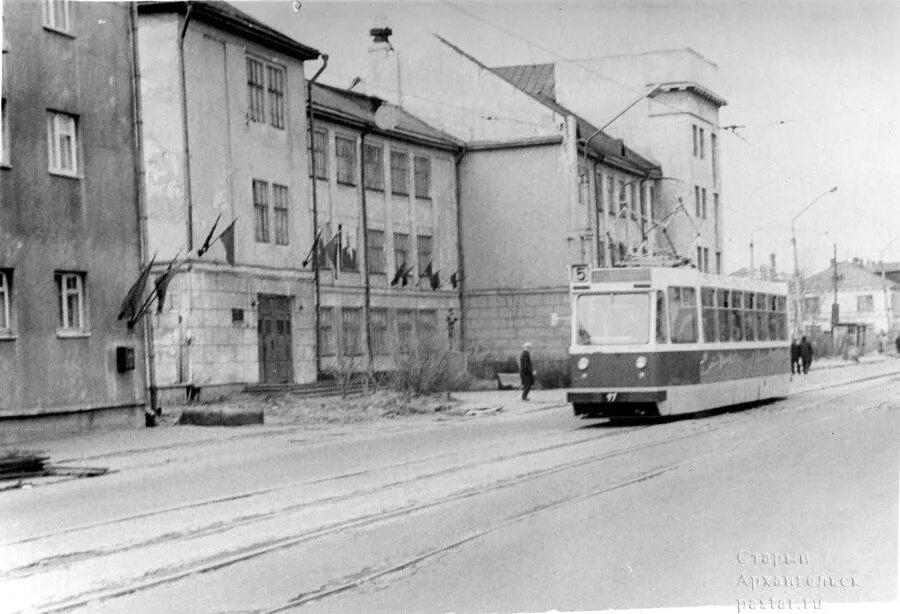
(677, 127)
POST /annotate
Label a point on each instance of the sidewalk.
(91, 447)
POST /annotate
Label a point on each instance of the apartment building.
(69, 220)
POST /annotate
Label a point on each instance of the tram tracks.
(251, 549)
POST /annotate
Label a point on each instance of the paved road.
(521, 512)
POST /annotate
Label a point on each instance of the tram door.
(275, 343)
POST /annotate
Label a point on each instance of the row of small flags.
(135, 305)
(332, 250)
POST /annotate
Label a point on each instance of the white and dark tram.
(658, 341)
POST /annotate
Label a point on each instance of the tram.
(658, 341)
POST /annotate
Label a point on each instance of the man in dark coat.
(806, 353)
(795, 356)
(526, 372)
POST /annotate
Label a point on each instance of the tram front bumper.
(614, 404)
(612, 396)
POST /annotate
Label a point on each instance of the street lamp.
(888, 305)
(798, 307)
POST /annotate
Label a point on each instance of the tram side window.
(662, 322)
(772, 305)
(737, 304)
(782, 318)
(762, 323)
(683, 314)
(749, 316)
(708, 302)
(723, 302)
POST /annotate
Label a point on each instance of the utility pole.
(835, 313)
(752, 274)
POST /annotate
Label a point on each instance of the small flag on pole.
(435, 280)
(331, 249)
(406, 275)
(227, 238)
(209, 238)
(398, 275)
(130, 308)
(162, 285)
(312, 250)
(454, 280)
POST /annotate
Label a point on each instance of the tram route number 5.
(611, 397)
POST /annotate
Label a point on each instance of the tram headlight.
(583, 363)
(641, 362)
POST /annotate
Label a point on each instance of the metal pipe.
(140, 198)
(185, 129)
(365, 250)
(315, 208)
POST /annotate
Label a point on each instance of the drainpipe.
(140, 199)
(184, 349)
(185, 131)
(460, 269)
(315, 208)
(365, 244)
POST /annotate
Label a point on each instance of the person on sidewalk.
(795, 356)
(806, 353)
(526, 372)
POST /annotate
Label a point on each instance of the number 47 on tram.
(658, 341)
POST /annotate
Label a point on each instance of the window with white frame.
(401, 249)
(378, 325)
(345, 156)
(696, 201)
(320, 138)
(373, 165)
(623, 198)
(598, 190)
(405, 331)
(71, 300)
(423, 243)
(702, 143)
(56, 14)
(375, 260)
(426, 326)
(5, 300)
(280, 208)
(634, 199)
(611, 194)
(265, 82)
(696, 146)
(261, 210)
(327, 345)
(62, 143)
(422, 168)
(703, 202)
(399, 173)
(4, 133)
(351, 328)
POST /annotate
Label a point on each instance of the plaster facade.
(207, 157)
(69, 239)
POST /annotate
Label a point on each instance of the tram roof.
(688, 276)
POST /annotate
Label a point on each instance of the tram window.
(749, 317)
(613, 318)
(708, 302)
(782, 318)
(737, 304)
(723, 303)
(772, 313)
(762, 322)
(662, 322)
(683, 314)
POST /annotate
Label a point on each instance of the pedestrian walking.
(806, 353)
(526, 371)
(795, 356)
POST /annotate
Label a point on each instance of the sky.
(813, 85)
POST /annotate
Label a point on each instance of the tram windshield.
(613, 318)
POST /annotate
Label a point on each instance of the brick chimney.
(384, 66)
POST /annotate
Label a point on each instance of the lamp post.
(798, 307)
(888, 305)
(587, 142)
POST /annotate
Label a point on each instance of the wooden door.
(275, 341)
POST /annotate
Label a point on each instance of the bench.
(508, 381)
